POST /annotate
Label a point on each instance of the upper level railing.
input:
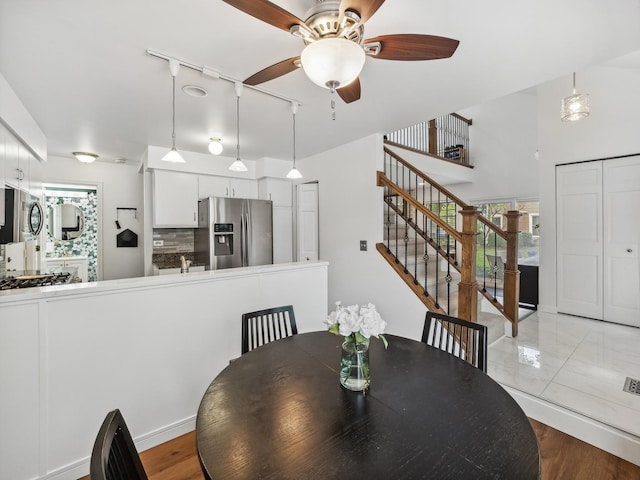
(432, 220)
(446, 136)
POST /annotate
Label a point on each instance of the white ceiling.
(80, 68)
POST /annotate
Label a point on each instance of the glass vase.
(354, 365)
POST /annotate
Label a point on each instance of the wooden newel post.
(468, 286)
(433, 137)
(511, 272)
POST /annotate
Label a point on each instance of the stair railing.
(446, 137)
(457, 235)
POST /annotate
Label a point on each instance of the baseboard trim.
(610, 439)
(143, 442)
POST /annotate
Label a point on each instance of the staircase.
(438, 245)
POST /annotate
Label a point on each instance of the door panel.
(580, 245)
(308, 222)
(621, 197)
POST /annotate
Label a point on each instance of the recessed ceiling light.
(194, 90)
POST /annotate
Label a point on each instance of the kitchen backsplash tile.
(174, 240)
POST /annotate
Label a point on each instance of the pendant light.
(238, 165)
(294, 174)
(173, 155)
(575, 106)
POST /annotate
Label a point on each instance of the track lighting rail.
(215, 74)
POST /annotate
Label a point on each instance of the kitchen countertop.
(106, 286)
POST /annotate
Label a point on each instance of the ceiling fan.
(335, 50)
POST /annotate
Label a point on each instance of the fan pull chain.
(333, 106)
(332, 88)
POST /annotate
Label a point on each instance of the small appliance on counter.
(234, 232)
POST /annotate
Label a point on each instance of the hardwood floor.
(563, 458)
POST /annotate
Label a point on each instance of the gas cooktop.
(40, 280)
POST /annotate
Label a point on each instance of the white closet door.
(580, 245)
(621, 195)
(307, 222)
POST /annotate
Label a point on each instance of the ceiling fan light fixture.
(332, 62)
(575, 106)
(85, 157)
(215, 146)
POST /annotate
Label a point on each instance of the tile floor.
(577, 363)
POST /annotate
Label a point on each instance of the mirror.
(65, 222)
(35, 218)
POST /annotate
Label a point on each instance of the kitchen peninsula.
(147, 345)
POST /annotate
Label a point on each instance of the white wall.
(148, 346)
(350, 207)
(611, 129)
(503, 140)
(121, 187)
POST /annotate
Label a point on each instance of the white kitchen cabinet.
(2, 163)
(175, 199)
(13, 174)
(214, 186)
(58, 264)
(279, 191)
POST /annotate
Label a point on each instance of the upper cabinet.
(279, 191)
(213, 186)
(18, 167)
(12, 172)
(175, 199)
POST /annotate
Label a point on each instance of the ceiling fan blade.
(413, 47)
(267, 12)
(366, 8)
(274, 71)
(351, 92)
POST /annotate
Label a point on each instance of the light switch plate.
(363, 245)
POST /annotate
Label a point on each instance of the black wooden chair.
(267, 325)
(463, 339)
(114, 456)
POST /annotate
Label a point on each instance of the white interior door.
(308, 222)
(579, 237)
(621, 196)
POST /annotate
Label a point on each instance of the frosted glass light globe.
(332, 62)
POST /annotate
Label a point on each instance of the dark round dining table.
(279, 412)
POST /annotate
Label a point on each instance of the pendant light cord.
(294, 140)
(173, 132)
(238, 125)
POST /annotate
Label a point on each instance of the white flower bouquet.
(357, 323)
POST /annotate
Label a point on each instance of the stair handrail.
(511, 285)
(461, 203)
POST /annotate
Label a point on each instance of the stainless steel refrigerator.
(234, 232)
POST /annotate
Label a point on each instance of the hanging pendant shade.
(173, 155)
(575, 106)
(238, 165)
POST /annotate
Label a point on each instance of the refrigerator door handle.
(246, 240)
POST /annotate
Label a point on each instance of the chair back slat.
(264, 326)
(114, 455)
(461, 338)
